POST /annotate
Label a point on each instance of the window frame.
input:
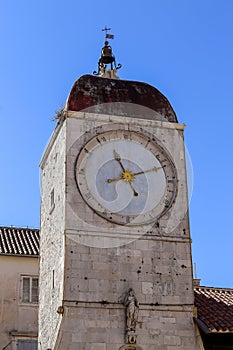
(31, 300)
(26, 341)
(52, 201)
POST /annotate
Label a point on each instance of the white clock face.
(125, 177)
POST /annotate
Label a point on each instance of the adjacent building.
(19, 262)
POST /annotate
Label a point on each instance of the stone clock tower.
(115, 269)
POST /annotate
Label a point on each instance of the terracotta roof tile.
(19, 241)
(215, 308)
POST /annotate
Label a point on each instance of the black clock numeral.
(148, 142)
(88, 196)
(127, 219)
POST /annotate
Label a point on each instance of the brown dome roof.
(120, 97)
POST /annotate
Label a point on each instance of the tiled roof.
(214, 309)
(19, 241)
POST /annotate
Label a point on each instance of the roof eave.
(207, 330)
(202, 325)
(20, 255)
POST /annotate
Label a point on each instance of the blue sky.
(182, 47)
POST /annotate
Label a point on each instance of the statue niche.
(132, 307)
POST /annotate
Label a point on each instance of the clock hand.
(134, 192)
(115, 179)
(142, 172)
(134, 174)
(118, 158)
(147, 171)
(129, 181)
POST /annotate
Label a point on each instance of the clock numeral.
(127, 219)
(88, 196)
(148, 142)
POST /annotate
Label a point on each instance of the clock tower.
(115, 267)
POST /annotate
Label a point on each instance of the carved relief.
(132, 307)
(130, 347)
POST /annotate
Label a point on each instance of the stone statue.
(132, 306)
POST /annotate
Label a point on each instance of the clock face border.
(105, 133)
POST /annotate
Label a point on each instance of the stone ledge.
(106, 305)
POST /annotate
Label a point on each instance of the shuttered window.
(27, 345)
(29, 289)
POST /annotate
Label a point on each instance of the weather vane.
(106, 58)
(107, 36)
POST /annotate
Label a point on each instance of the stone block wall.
(103, 327)
(103, 260)
(52, 252)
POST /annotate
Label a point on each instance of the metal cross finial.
(105, 29)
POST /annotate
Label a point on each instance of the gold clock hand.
(115, 179)
(142, 172)
(134, 192)
(122, 177)
(118, 158)
(147, 171)
(126, 176)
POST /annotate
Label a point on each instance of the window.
(53, 279)
(27, 345)
(52, 198)
(52, 201)
(29, 289)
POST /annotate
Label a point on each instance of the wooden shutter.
(26, 290)
(27, 345)
(34, 290)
